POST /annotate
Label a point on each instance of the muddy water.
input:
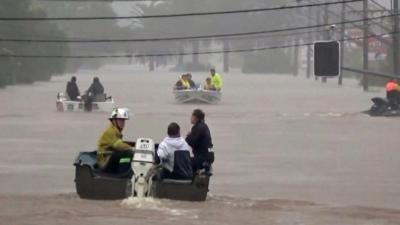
(276, 137)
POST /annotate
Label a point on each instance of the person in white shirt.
(174, 155)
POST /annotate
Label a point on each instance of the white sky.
(385, 2)
(124, 7)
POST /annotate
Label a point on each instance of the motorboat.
(92, 183)
(99, 103)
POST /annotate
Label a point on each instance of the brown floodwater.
(289, 151)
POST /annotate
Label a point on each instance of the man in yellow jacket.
(216, 80)
(113, 154)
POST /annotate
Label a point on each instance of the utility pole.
(226, 55)
(328, 36)
(296, 56)
(195, 56)
(317, 34)
(180, 56)
(395, 37)
(296, 44)
(309, 49)
(151, 64)
(365, 44)
(342, 36)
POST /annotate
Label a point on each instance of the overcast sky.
(124, 7)
(385, 2)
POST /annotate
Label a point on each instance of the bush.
(29, 70)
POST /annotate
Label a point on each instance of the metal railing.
(371, 73)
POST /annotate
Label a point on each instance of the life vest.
(110, 140)
(207, 86)
(185, 83)
(391, 86)
(216, 81)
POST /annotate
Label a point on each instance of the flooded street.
(288, 151)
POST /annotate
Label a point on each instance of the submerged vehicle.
(100, 103)
(381, 107)
(91, 183)
(197, 95)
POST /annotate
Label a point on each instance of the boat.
(91, 183)
(100, 103)
(197, 95)
(381, 107)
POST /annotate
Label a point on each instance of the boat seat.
(89, 159)
(100, 98)
(86, 158)
(173, 181)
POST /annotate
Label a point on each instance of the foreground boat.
(197, 95)
(92, 183)
(99, 104)
(381, 107)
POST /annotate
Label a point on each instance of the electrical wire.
(184, 53)
(107, 1)
(176, 15)
(189, 37)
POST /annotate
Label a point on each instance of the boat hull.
(191, 190)
(65, 105)
(90, 183)
(76, 106)
(187, 96)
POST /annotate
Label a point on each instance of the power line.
(107, 1)
(253, 37)
(379, 5)
(184, 53)
(176, 15)
(84, 49)
(375, 23)
(224, 38)
(361, 14)
(188, 37)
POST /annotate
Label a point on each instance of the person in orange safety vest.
(392, 92)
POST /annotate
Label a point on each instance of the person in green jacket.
(216, 80)
(113, 154)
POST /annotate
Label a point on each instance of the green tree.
(28, 70)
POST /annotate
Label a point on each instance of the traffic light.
(326, 58)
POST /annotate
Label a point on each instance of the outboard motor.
(143, 161)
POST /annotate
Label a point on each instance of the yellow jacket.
(185, 83)
(110, 140)
(208, 86)
(216, 81)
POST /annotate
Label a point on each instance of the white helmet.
(120, 113)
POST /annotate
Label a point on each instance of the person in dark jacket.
(96, 87)
(72, 89)
(199, 138)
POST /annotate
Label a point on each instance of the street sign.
(326, 58)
